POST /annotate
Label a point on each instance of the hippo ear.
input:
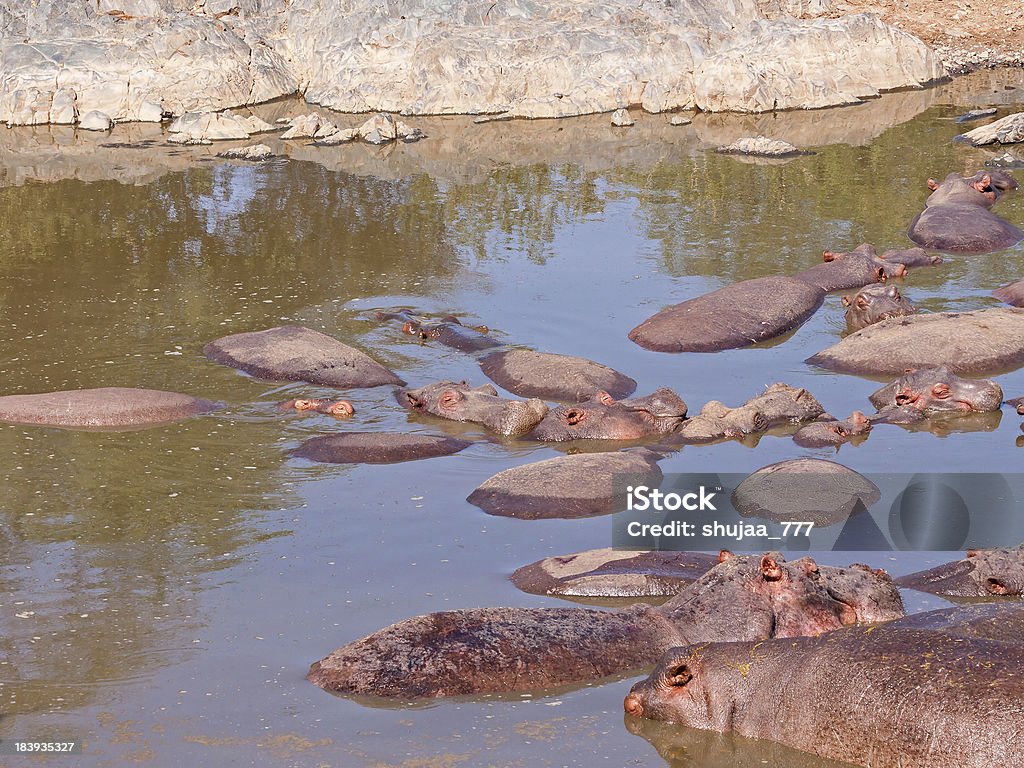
(941, 391)
(846, 301)
(828, 256)
(770, 569)
(809, 566)
(933, 184)
(487, 389)
(881, 275)
(861, 301)
(996, 587)
(974, 552)
(678, 675)
(725, 555)
(604, 398)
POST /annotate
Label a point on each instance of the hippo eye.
(839, 431)
(941, 391)
(997, 587)
(862, 303)
(574, 416)
(450, 398)
(678, 675)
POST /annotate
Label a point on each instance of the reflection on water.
(165, 589)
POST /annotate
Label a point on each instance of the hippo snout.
(633, 705)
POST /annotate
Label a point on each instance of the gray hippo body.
(377, 447)
(779, 404)
(874, 303)
(103, 408)
(498, 650)
(294, 353)
(738, 315)
(984, 573)
(957, 218)
(448, 331)
(1012, 294)
(928, 692)
(911, 257)
(457, 401)
(937, 390)
(827, 432)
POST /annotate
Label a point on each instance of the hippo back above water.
(103, 408)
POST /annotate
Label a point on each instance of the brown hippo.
(605, 418)
(739, 315)
(497, 650)
(933, 390)
(460, 402)
(1018, 404)
(980, 342)
(340, 408)
(294, 353)
(1012, 294)
(842, 271)
(377, 447)
(103, 408)
(898, 695)
(912, 257)
(778, 404)
(874, 303)
(983, 573)
(956, 216)
(830, 431)
(448, 331)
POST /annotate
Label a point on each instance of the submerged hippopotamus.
(498, 650)
(449, 331)
(102, 408)
(852, 269)
(898, 694)
(1012, 294)
(739, 315)
(938, 389)
(341, 408)
(911, 257)
(778, 404)
(460, 402)
(605, 418)
(377, 447)
(832, 432)
(983, 573)
(980, 342)
(874, 303)
(957, 218)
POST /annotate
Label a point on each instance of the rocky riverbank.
(140, 60)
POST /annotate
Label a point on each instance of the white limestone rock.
(680, 120)
(1006, 130)
(761, 146)
(94, 120)
(621, 118)
(308, 126)
(254, 152)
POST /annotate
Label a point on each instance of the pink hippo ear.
(829, 256)
(770, 569)
(604, 398)
(725, 555)
(809, 566)
(862, 302)
(846, 301)
(996, 587)
(678, 675)
(974, 552)
(932, 184)
(857, 417)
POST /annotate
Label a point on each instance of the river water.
(164, 591)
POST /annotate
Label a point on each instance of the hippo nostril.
(633, 706)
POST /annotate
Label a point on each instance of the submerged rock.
(554, 377)
(377, 447)
(204, 127)
(621, 118)
(94, 120)
(761, 146)
(255, 152)
(1006, 130)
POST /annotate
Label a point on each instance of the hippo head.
(604, 418)
(866, 256)
(939, 389)
(873, 303)
(458, 401)
(820, 434)
(997, 572)
(675, 692)
(869, 593)
(320, 405)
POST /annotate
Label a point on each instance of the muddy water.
(164, 591)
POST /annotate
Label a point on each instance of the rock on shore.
(135, 59)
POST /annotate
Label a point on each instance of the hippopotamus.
(614, 573)
(1018, 404)
(739, 315)
(1012, 294)
(981, 342)
(103, 408)
(575, 485)
(605, 418)
(983, 573)
(294, 353)
(341, 408)
(778, 404)
(938, 389)
(894, 695)
(956, 216)
(377, 447)
(448, 331)
(460, 402)
(832, 432)
(874, 303)
(805, 489)
(853, 269)
(912, 257)
(500, 650)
